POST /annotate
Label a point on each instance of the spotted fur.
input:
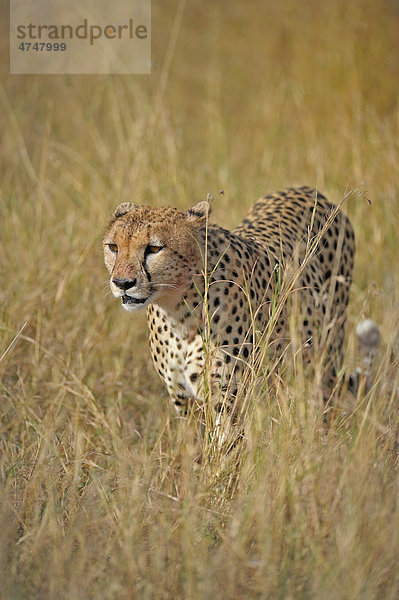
(217, 300)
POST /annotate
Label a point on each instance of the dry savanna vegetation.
(105, 493)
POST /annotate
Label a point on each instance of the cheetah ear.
(123, 209)
(199, 213)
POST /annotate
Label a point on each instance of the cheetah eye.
(113, 247)
(153, 249)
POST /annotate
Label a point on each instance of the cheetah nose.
(124, 284)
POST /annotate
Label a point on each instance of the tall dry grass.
(102, 495)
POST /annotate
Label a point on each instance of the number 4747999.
(42, 46)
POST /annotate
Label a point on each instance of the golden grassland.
(102, 495)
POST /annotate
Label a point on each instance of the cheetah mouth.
(131, 300)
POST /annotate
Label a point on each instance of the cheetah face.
(153, 254)
(134, 270)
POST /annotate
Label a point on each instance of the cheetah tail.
(368, 337)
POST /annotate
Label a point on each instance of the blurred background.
(244, 97)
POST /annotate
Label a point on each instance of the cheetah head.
(152, 253)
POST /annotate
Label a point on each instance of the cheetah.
(219, 300)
